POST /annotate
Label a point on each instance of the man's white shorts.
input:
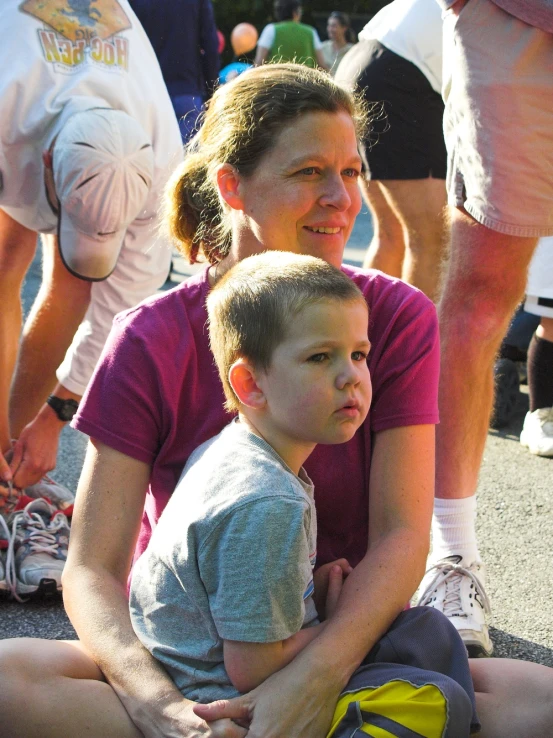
(498, 121)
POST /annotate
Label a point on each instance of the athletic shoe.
(537, 432)
(458, 591)
(4, 545)
(56, 493)
(37, 550)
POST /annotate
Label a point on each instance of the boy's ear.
(47, 159)
(243, 381)
(228, 183)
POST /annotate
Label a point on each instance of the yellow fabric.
(421, 709)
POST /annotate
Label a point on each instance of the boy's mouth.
(350, 407)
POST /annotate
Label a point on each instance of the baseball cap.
(103, 166)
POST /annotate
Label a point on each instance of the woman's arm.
(106, 521)
(261, 54)
(400, 507)
(321, 61)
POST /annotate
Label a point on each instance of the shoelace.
(451, 576)
(40, 536)
(7, 536)
(11, 501)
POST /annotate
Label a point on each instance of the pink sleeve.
(122, 404)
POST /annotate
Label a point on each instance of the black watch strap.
(64, 409)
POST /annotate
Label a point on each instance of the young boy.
(223, 596)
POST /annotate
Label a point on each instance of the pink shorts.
(498, 120)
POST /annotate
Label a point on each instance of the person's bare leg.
(485, 281)
(53, 689)
(17, 248)
(387, 248)
(513, 698)
(58, 310)
(419, 205)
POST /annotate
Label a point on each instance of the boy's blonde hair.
(252, 306)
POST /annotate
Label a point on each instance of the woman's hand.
(182, 721)
(297, 701)
(328, 582)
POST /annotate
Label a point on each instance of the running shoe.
(56, 493)
(537, 432)
(457, 589)
(37, 551)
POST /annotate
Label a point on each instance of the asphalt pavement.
(515, 523)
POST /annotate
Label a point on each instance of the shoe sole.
(477, 649)
(46, 586)
(534, 450)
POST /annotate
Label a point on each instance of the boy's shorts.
(539, 289)
(414, 683)
(498, 120)
(407, 141)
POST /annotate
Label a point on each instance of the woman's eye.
(359, 356)
(353, 173)
(318, 358)
(308, 170)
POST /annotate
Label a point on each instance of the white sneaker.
(537, 432)
(37, 550)
(458, 591)
(59, 496)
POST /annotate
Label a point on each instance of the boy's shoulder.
(232, 469)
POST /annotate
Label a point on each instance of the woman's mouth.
(323, 229)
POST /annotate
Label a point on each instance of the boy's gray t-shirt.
(231, 558)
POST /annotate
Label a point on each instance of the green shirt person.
(288, 39)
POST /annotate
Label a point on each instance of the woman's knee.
(29, 660)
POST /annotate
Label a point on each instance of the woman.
(275, 166)
(340, 40)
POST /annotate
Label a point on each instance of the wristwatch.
(64, 409)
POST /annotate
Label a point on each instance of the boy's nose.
(349, 374)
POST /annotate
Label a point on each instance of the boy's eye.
(359, 356)
(318, 358)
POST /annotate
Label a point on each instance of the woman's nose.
(336, 193)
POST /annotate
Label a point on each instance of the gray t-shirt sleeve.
(255, 566)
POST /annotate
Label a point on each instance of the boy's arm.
(249, 664)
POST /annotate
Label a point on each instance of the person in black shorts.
(397, 64)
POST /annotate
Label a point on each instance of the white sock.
(454, 529)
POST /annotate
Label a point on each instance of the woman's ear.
(228, 183)
(243, 381)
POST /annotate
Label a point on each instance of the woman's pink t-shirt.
(156, 396)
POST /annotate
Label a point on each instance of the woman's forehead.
(317, 132)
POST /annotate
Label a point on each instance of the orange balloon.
(243, 38)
